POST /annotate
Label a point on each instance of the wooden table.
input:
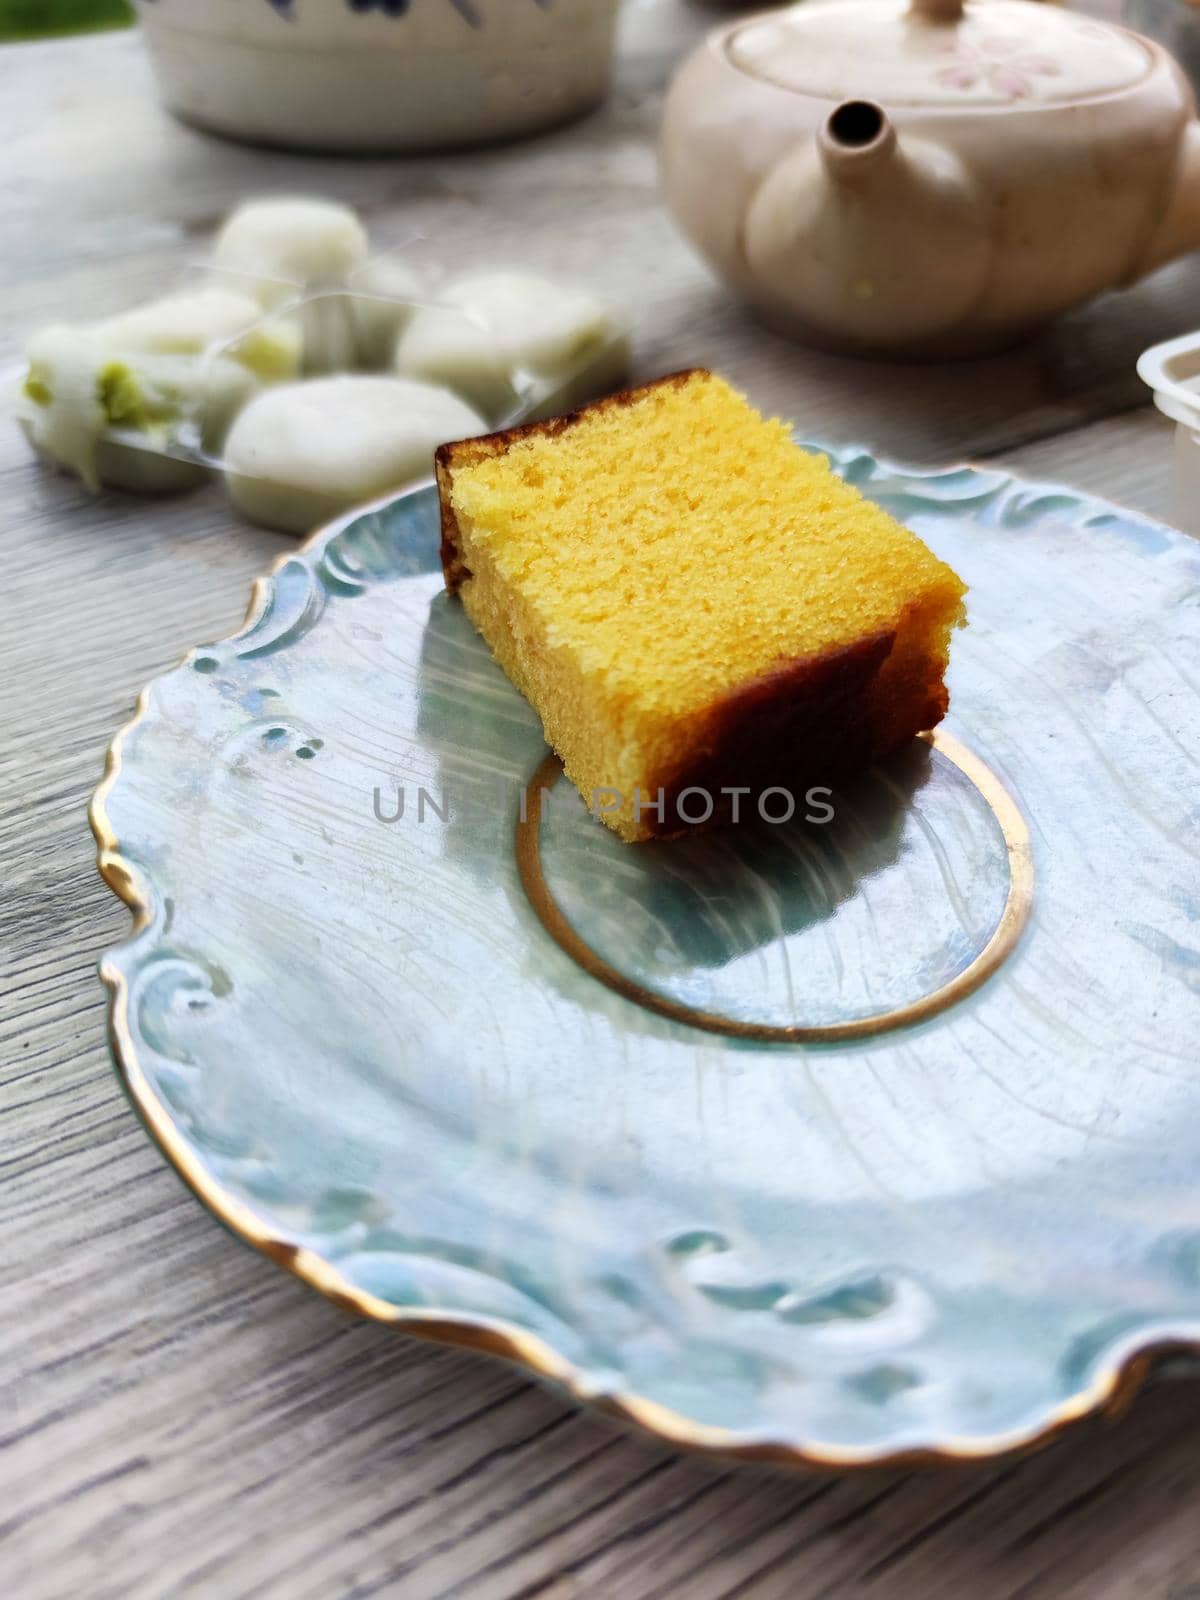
(183, 1419)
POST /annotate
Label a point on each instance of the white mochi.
(330, 332)
(60, 409)
(71, 411)
(389, 288)
(446, 346)
(149, 472)
(273, 349)
(206, 392)
(122, 466)
(544, 327)
(208, 319)
(181, 324)
(302, 453)
(285, 245)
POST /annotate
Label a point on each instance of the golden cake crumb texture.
(640, 567)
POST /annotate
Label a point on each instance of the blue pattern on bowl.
(400, 8)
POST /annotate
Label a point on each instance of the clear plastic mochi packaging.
(306, 372)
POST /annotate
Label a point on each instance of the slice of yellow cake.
(694, 606)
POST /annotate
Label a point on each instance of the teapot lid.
(938, 52)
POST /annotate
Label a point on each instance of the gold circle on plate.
(1003, 940)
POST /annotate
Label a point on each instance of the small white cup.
(1172, 370)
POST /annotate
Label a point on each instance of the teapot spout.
(857, 139)
(867, 237)
(1179, 230)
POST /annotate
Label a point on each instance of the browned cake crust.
(802, 726)
(798, 726)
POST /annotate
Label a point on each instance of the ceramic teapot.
(927, 177)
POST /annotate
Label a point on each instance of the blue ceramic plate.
(818, 1140)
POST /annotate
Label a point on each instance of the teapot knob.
(936, 10)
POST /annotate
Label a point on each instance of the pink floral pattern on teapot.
(1000, 61)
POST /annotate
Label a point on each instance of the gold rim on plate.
(1002, 941)
(1112, 1387)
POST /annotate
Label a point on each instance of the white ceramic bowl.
(379, 74)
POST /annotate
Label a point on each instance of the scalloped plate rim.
(1121, 1367)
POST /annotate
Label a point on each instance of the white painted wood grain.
(180, 1418)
